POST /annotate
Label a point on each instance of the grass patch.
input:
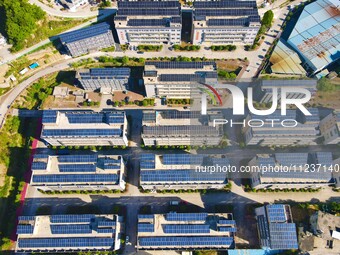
(109, 49)
(3, 91)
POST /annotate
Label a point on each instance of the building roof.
(286, 61)
(308, 84)
(180, 64)
(316, 35)
(120, 72)
(276, 228)
(67, 232)
(185, 230)
(84, 33)
(181, 168)
(82, 123)
(88, 168)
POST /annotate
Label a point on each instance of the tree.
(268, 18)
(125, 60)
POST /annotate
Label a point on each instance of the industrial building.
(264, 92)
(316, 35)
(69, 233)
(285, 61)
(276, 229)
(78, 172)
(84, 128)
(225, 22)
(291, 170)
(330, 128)
(169, 127)
(104, 79)
(186, 231)
(268, 130)
(72, 5)
(148, 22)
(86, 40)
(178, 79)
(183, 171)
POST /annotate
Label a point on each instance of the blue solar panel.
(26, 218)
(81, 132)
(65, 242)
(107, 167)
(71, 229)
(73, 178)
(72, 218)
(25, 229)
(84, 33)
(226, 229)
(41, 156)
(147, 4)
(186, 228)
(39, 166)
(145, 216)
(283, 236)
(106, 230)
(49, 116)
(147, 161)
(226, 222)
(77, 158)
(182, 159)
(146, 227)
(77, 168)
(155, 176)
(85, 117)
(173, 216)
(107, 223)
(183, 241)
(276, 213)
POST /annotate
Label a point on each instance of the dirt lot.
(230, 64)
(120, 96)
(327, 99)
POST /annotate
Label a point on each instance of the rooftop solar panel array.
(71, 218)
(39, 166)
(145, 216)
(122, 71)
(148, 4)
(226, 12)
(65, 242)
(81, 132)
(184, 241)
(146, 227)
(186, 228)
(276, 213)
(226, 229)
(173, 216)
(106, 223)
(75, 178)
(147, 161)
(226, 222)
(71, 229)
(283, 236)
(187, 131)
(228, 22)
(49, 116)
(179, 65)
(149, 12)
(25, 229)
(173, 176)
(184, 77)
(224, 4)
(182, 159)
(68, 168)
(84, 33)
(77, 158)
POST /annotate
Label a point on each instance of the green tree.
(125, 60)
(268, 18)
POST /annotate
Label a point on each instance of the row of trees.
(149, 47)
(186, 48)
(19, 21)
(223, 47)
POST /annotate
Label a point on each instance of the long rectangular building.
(167, 128)
(78, 172)
(104, 79)
(330, 128)
(178, 79)
(225, 22)
(69, 233)
(148, 22)
(86, 40)
(84, 128)
(269, 130)
(186, 231)
(292, 170)
(182, 171)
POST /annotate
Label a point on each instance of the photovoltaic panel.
(49, 116)
(74, 118)
(180, 65)
(106, 230)
(77, 168)
(81, 132)
(226, 229)
(226, 12)
(39, 166)
(106, 167)
(173, 216)
(149, 12)
(148, 22)
(276, 213)
(182, 159)
(41, 156)
(65, 242)
(74, 178)
(145, 216)
(191, 241)
(186, 228)
(110, 72)
(226, 222)
(72, 218)
(228, 22)
(71, 229)
(145, 4)
(283, 236)
(146, 227)
(171, 175)
(182, 131)
(25, 229)
(224, 4)
(106, 223)
(26, 218)
(182, 77)
(88, 32)
(77, 158)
